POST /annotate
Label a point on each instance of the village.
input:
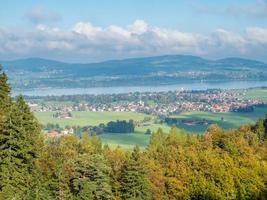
(164, 103)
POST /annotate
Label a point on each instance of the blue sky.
(92, 30)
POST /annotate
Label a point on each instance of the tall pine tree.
(19, 144)
(135, 184)
(5, 99)
(4, 87)
(91, 178)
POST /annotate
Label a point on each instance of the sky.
(96, 30)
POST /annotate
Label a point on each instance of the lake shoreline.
(149, 88)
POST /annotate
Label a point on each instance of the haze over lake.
(127, 89)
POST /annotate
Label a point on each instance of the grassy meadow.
(255, 93)
(225, 120)
(230, 120)
(89, 118)
(95, 118)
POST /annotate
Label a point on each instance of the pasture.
(88, 118)
(255, 94)
(225, 120)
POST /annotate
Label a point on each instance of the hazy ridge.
(168, 69)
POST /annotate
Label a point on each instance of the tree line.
(220, 164)
(120, 126)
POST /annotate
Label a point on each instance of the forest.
(219, 164)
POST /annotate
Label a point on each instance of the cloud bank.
(84, 42)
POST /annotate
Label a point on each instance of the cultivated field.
(225, 120)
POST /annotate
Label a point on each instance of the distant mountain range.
(37, 72)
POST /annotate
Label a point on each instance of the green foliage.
(20, 144)
(4, 86)
(265, 126)
(134, 182)
(91, 178)
(90, 144)
(156, 142)
(116, 159)
(221, 164)
(259, 129)
(120, 127)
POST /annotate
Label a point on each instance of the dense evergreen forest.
(220, 164)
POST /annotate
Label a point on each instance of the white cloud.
(87, 42)
(87, 29)
(118, 32)
(226, 40)
(138, 27)
(256, 34)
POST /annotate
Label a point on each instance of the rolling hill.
(168, 69)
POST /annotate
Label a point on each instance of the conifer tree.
(259, 129)
(19, 143)
(135, 184)
(33, 143)
(4, 86)
(265, 126)
(91, 178)
(5, 99)
(156, 143)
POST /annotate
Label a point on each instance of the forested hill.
(37, 72)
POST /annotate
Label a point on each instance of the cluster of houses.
(212, 101)
(58, 133)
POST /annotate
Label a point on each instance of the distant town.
(155, 103)
(159, 107)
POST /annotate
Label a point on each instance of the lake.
(127, 89)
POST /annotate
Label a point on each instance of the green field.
(95, 118)
(88, 118)
(255, 93)
(230, 120)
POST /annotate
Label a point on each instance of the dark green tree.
(265, 126)
(259, 129)
(148, 132)
(19, 143)
(4, 86)
(91, 178)
(134, 181)
(5, 99)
